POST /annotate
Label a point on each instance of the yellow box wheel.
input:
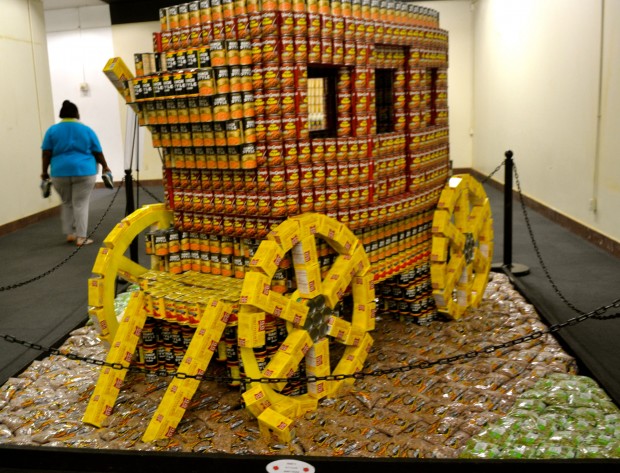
(462, 246)
(310, 313)
(111, 263)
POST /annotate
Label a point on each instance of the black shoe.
(46, 188)
(107, 179)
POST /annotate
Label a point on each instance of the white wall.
(80, 42)
(25, 95)
(456, 17)
(537, 77)
(523, 75)
(129, 39)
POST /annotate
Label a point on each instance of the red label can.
(290, 152)
(289, 127)
(300, 23)
(272, 50)
(306, 177)
(277, 180)
(306, 200)
(318, 174)
(291, 175)
(287, 102)
(287, 50)
(331, 173)
(293, 205)
(318, 150)
(300, 44)
(330, 148)
(262, 179)
(320, 202)
(273, 128)
(264, 204)
(287, 23)
(275, 156)
(331, 198)
(304, 154)
(278, 204)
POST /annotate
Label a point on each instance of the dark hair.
(69, 110)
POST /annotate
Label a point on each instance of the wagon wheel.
(310, 312)
(111, 263)
(462, 246)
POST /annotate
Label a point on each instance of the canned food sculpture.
(305, 152)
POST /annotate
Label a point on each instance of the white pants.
(75, 195)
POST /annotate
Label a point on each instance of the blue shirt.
(72, 145)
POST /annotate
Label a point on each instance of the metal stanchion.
(130, 207)
(507, 265)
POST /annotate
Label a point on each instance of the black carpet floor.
(44, 293)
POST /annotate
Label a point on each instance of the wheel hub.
(317, 318)
(469, 247)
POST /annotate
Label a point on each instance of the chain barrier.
(489, 176)
(595, 314)
(71, 255)
(539, 257)
(78, 248)
(424, 364)
(149, 193)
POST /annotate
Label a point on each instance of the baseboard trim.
(24, 222)
(592, 236)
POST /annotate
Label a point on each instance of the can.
(314, 49)
(287, 50)
(275, 153)
(271, 50)
(304, 151)
(271, 81)
(273, 104)
(270, 23)
(236, 106)
(306, 175)
(320, 199)
(331, 198)
(263, 207)
(278, 204)
(289, 127)
(290, 152)
(277, 179)
(306, 199)
(318, 174)
(300, 44)
(292, 208)
(287, 101)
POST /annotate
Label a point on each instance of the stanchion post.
(508, 267)
(508, 167)
(130, 207)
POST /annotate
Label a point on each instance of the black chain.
(597, 313)
(539, 254)
(70, 256)
(78, 248)
(146, 191)
(489, 176)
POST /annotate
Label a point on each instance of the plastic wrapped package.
(437, 412)
(562, 416)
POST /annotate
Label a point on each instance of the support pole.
(508, 266)
(130, 207)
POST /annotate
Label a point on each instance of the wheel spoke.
(130, 270)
